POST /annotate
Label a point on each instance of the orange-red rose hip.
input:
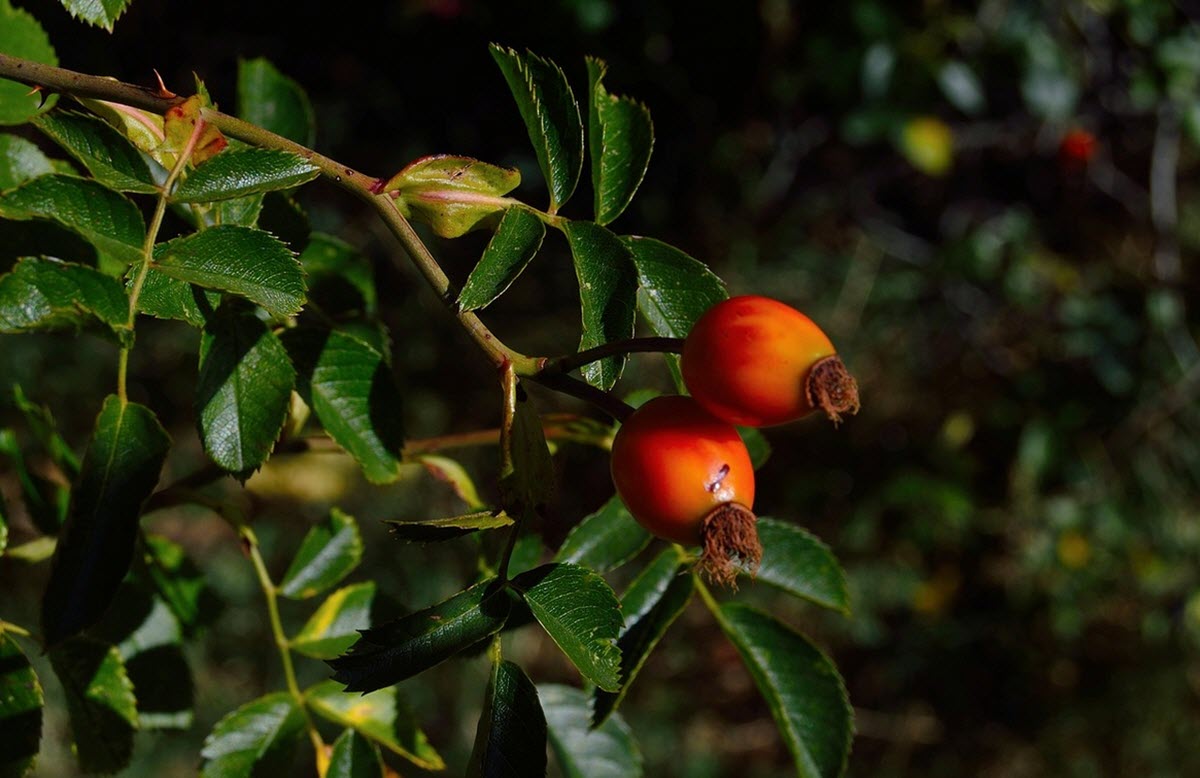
(757, 362)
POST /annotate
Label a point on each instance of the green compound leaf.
(44, 294)
(241, 260)
(651, 604)
(95, 548)
(510, 741)
(275, 102)
(107, 220)
(802, 687)
(353, 756)
(21, 703)
(402, 648)
(453, 195)
(581, 614)
(327, 555)
(258, 738)
(797, 562)
(22, 36)
(350, 388)
(21, 161)
(379, 716)
(106, 154)
(164, 297)
(100, 702)
(608, 282)
(100, 13)
(607, 751)
(510, 250)
(551, 116)
(620, 137)
(434, 530)
(244, 172)
(243, 390)
(604, 540)
(334, 627)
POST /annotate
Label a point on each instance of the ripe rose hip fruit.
(757, 362)
(686, 477)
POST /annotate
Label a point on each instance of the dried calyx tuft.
(831, 388)
(729, 536)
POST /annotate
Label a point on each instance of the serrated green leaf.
(257, 739)
(353, 756)
(21, 161)
(675, 289)
(510, 250)
(340, 278)
(178, 581)
(164, 297)
(22, 36)
(650, 606)
(527, 480)
(606, 751)
(510, 741)
(605, 539)
(100, 702)
(620, 137)
(148, 638)
(350, 388)
(802, 687)
(106, 154)
(608, 282)
(380, 716)
(275, 102)
(102, 217)
(334, 627)
(95, 548)
(327, 555)
(101, 13)
(452, 194)
(244, 172)
(21, 703)
(797, 562)
(402, 648)
(551, 116)
(239, 211)
(581, 615)
(44, 294)
(241, 260)
(243, 390)
(434, 530)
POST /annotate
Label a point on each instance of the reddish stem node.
(831, 388)
(729, 536)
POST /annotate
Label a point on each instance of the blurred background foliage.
(990, 207)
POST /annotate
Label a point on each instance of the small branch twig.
(628, 346)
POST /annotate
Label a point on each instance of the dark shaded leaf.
(273, 101)
(44, 294)
(433, 530)
(178, 581)
(607, 751)
(21, 161)
(651, 604)
(105, 219)
(527, 481)
(100, 702)
(46, 502)
(21, 703)
(340, 278)
(329, 552)
(608, 283)
(119, 471)
(108, 156)
(402, 648)
(581, 614)
(335, 625)
(510, 741)
(797, 562)
(510, 250)
(164, 297)
(380, 716)
(243, 390)
(257, 739)
(244, 172)
(604, 540)
(802, 687)
(353, 756)
(620, 137)
(350, 388)
(241, 260)
(551, 116)
(22, 36)
(757, 446)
